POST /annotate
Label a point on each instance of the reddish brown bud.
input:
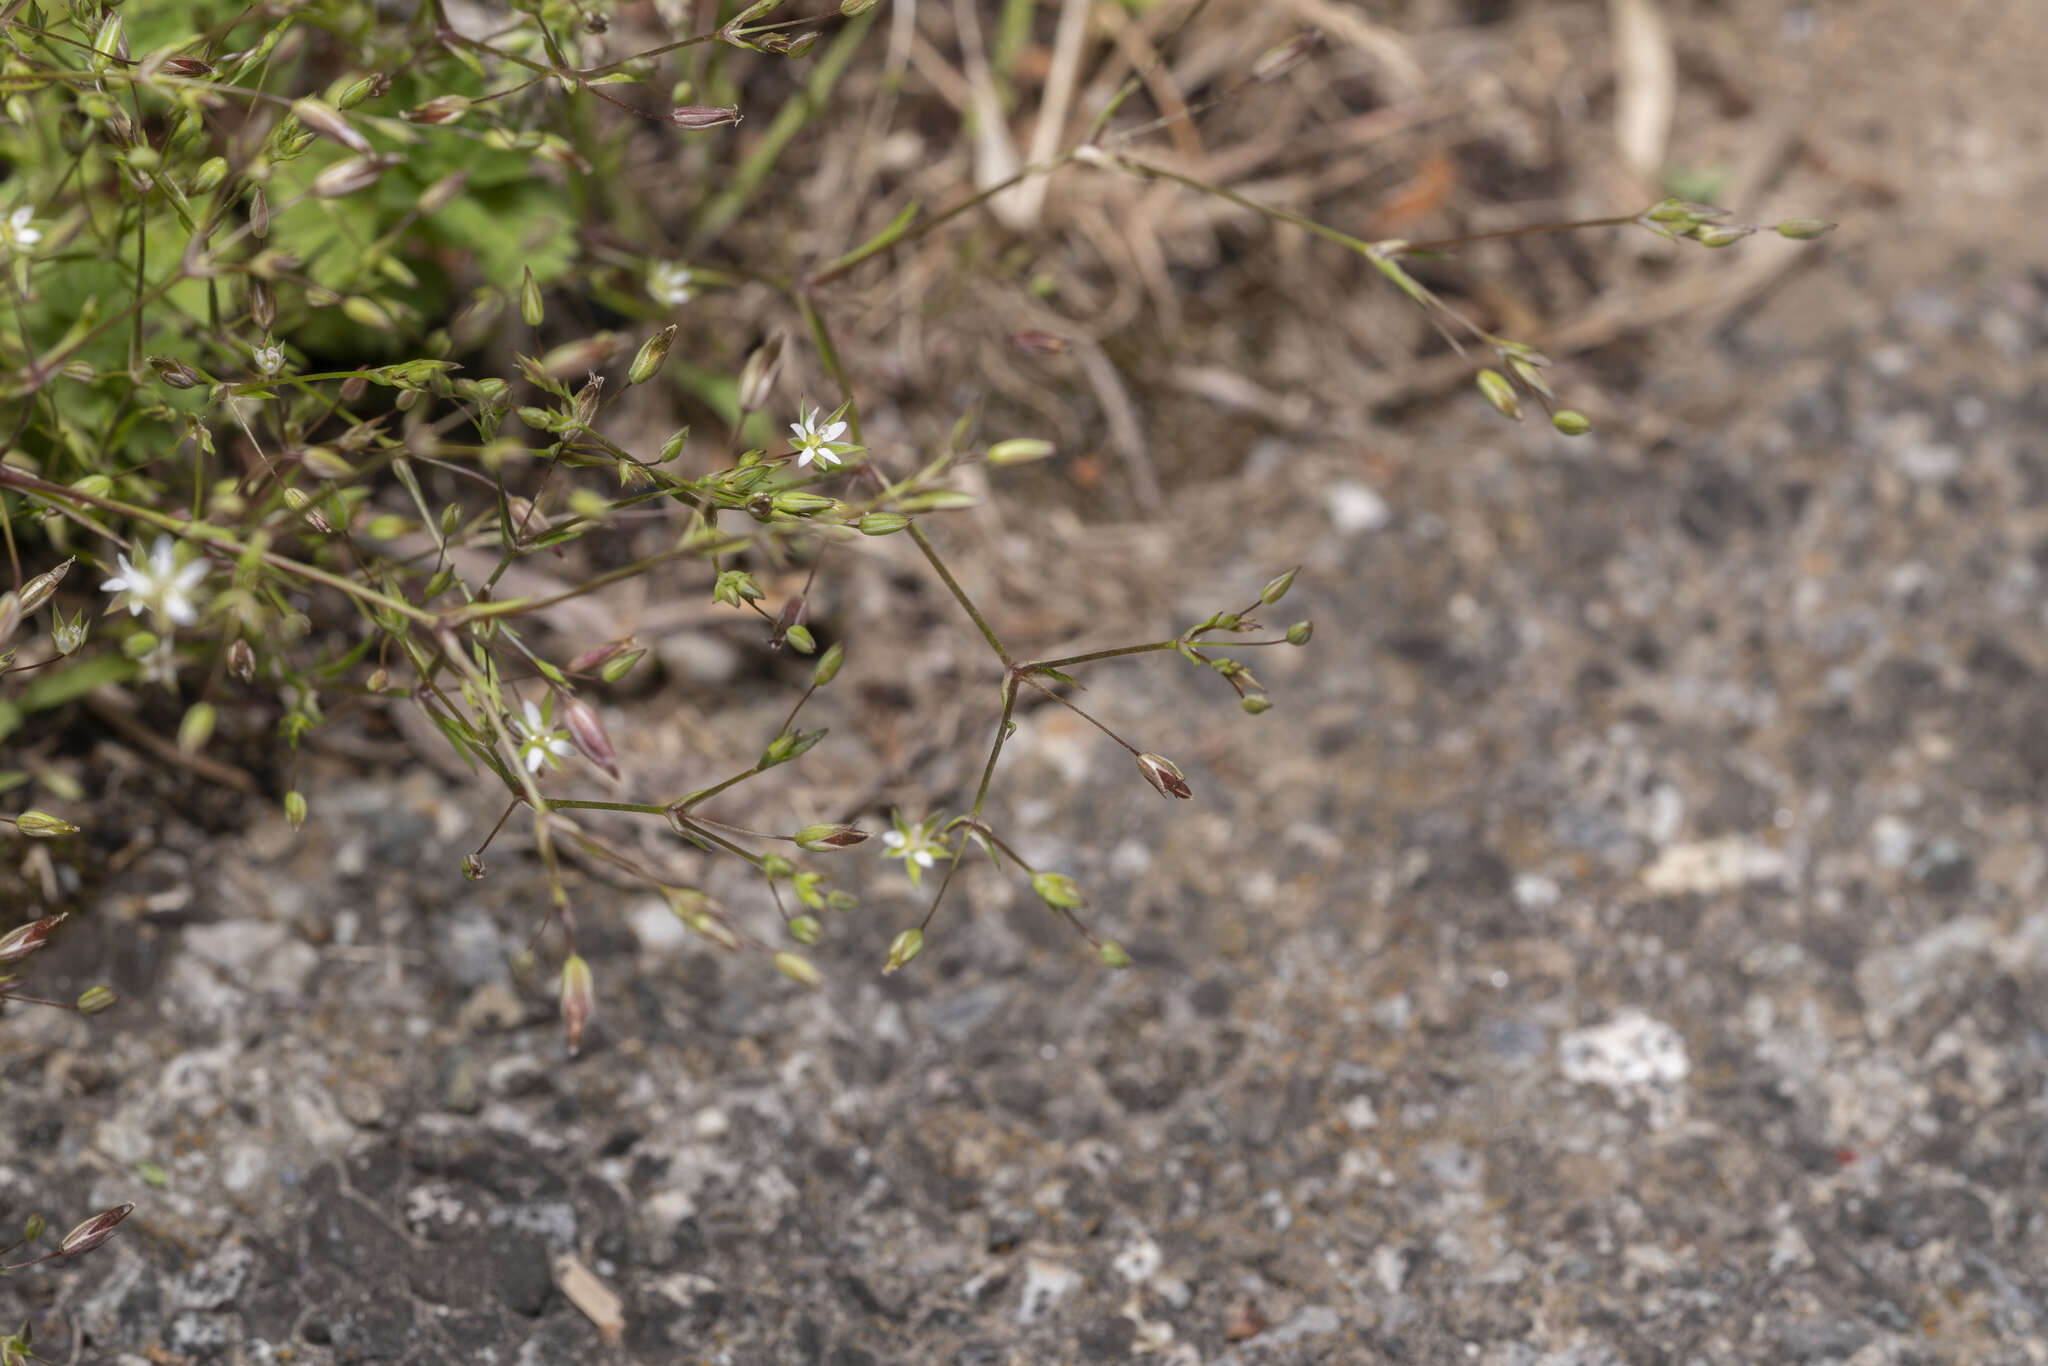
(190, 67)
(440, 109)
(820, 838)
(20, 942)
(587, 733)
(93, 1231)
(591, 660)
(696, 116)
(1164, 775)
(242, 661)
(1039, 343)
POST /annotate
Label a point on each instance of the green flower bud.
(905, 947)
(1500, 392)
(1718, 234)
(801, 640)
(1571, 422)
(882, 523)
(295, 808)
(579, 999)
(1277, 588)
(652, 353)
(1804, 229)
(41, 825)
(805, 929)
(1299, 633)
(93, 1000)
(530, 307)
(828, 665)
(798, 969)
(1112, 955)
(196, 728)
(823, 839)
(1057, 890)
(1019, 451)
(1255, 703)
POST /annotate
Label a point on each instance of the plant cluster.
(289, 388)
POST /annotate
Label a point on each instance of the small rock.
(1045, 1285)
(1355, 508)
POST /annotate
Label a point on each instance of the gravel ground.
(1625, 943)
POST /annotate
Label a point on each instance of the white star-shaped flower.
(813, 441)
(159, 583)
(15, 232)
(669, 283)
(916, 843)
(539, 742)
(270, 359)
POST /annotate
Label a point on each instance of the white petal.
(534, 759)
(179, 610)
(534, 724)
(923, 857)
(189, 577)
(825, 457)
(833, 432)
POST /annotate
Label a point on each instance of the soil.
(1623, 942)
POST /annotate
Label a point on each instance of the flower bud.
(798, 969)
(758, 375)
(828, 665)
(882, 523)
(295, 808)
(579, 999)
(473, 868)
(328, 123)
(1571, 422)
(441, 109)
(39, 589)
(346, 177)
(209, 176)
(805, 929)
(191, 68)
(618, 668)
(1057, 890)
(93, 1231)
(1019, 450)
(1299, 633)
(1718, 234)
(175, 373)
(1111, 954)
(41, 825)
(1164, 775)
(262, 306)
(599, 657)
(1804, 229)
(1500, 393)
(367, 87)
(820, 839)
(801, 640)
(700, 116)
(23, 940)
(33, 1228)
(653, 352)
(1277, 588)
(1254, 703)
(259, 214)
(588, 734)
(93, 1000)
(241, 660)
(530, 310)
(902, 949)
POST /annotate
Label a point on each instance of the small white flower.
(539, 742)
(813, 441)
(270, 359)
(159, 583)
(15, 232)
(160, 665)
(669, 283)
(916, 843)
